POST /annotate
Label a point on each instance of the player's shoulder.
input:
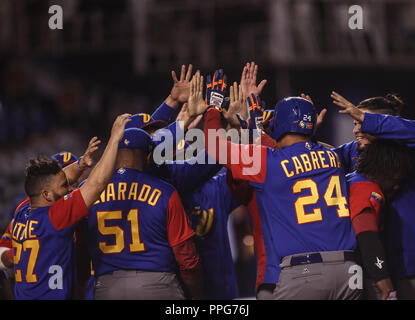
(354, 177)
(358, 183)
(23, 206)
(156, 182)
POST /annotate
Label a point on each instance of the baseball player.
(43, 226)
(380, 169)
(377, 117)
(208, 207)
(138, 232)
(303, 202)
(268, 264)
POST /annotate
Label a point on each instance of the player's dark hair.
(38, 172)
(384, 161)
(390, 104)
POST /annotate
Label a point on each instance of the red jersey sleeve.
(366, 201)
(365, 194)
(6, 239)
(267, 141)
(247, 162)
(240, 189)
(68, 210)
(178, 227)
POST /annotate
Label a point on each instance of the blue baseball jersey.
(135, 223)
(43, 244)
(348, 155)
(400, 221)
(301, 195)
(208, 208)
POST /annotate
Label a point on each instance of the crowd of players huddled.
(327, 222)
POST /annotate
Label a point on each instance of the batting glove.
(216, 89)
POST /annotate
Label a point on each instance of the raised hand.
(237, 106)
(181, 88)
(248, 80)
(196, 105)
(348, 107)
(216, 88)
(117, 131)
(321, 115)
(256, 112)
(87, 160)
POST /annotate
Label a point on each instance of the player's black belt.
(317, 258)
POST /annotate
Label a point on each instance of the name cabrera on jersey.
(43, 242)
(302, 199)
(134, 224)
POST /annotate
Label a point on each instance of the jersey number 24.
(333, 197)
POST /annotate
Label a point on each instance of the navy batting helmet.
(295, 115)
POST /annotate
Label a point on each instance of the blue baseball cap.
(144, 121)
(65, 158)
(135, 138)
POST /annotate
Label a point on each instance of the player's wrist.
(213, 107)
(82, 165)
(171, 102)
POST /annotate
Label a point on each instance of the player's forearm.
(101, 174)
(213, 124)
(171, 102)
(74, 171)
(389, 127)
(193, 280)
(373, 255)
(164, 112)
(190, 268)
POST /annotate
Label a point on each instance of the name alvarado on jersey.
(130, 191)
(308, 162)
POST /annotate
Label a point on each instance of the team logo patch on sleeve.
(68, 196)
(376, 196)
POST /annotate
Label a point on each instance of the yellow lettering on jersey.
(102, 197)
(314, 159)
(322, 159)
(332, 158)
(339, 164)
(145, 190)
(154, 197)
(297, 165)
(288, 174)
(122, 188)
(17, 229)
(306, 161)
(133, 191)
(24, 233)
(31, 228)
(110, 192)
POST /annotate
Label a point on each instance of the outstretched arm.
(390, 127)
(74, 171)
(103, 171)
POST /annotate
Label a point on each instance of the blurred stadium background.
(60, 87)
